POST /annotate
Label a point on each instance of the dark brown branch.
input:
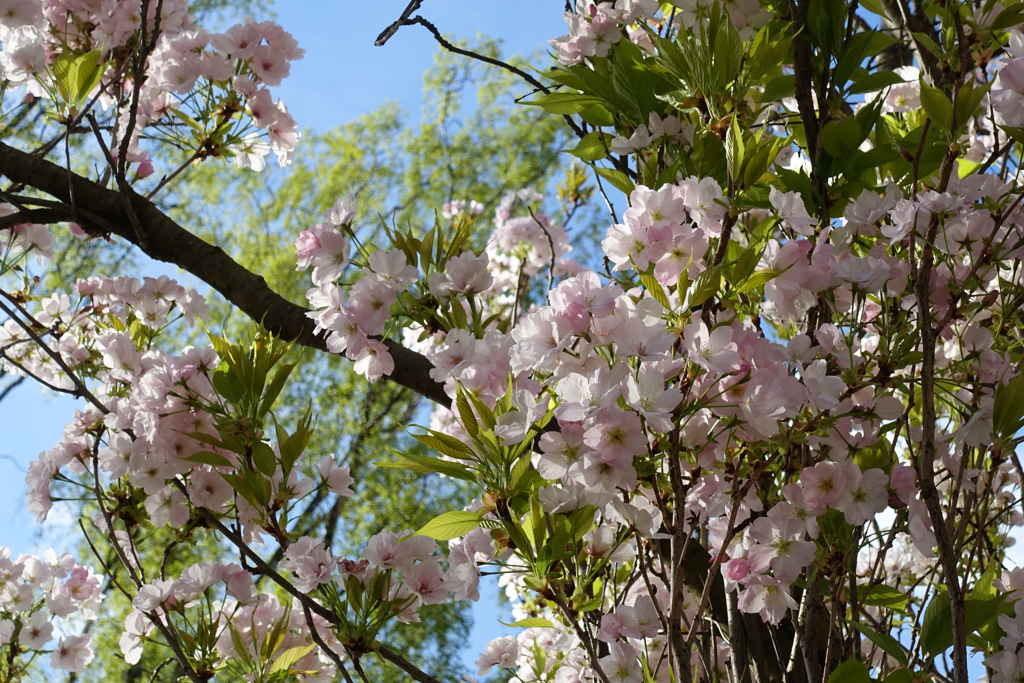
(404, 664)
(11, 387)
(170, 243)
(391, 30)
(43, 216)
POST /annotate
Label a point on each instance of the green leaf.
(850, 671)
(207, 439)
(274, 388)
(886, 596)
(734, 149)
(873, 158)
(937, 106)
(937, 625)
(980, 612)
(425, 465)
(446, 445)
(633, 82)
(242, 487)
(293, 446)
(1016, 133)
(1008, 409)
(617, 178)
(926, 41)
(655, 288)
(194, 125)
(466, 416)
(263, 457)
(1008, 18)
(758, 279)
(969, 99)
(76, 76)
(483, 411)
(597, 115)
(777, 89)
(260, 487)
(61, 70)
(745, 264)
(450, 525)
(532, 622)
(887, 643)
(209, 458)
(88, 74)
(288, 658)
(581, 521)
(591, 147)
(985, 587)
(566, 102)
(768, 52)
(705, 286)
(236, 639)
(842, 137)
(519, 470)
(879, 80)
(875, 7)
(227, 385)
(590, 605)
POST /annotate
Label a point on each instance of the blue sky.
(342, 76)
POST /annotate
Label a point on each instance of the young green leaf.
(450, 525)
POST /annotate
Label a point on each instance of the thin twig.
(392, 29)
(551, 244)
(408, 20)
(79, 385)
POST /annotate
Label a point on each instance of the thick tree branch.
(169, 242)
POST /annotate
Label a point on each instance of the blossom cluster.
(240, 614)
(1007, 664)
(618, 367)
(595, 26)
(220, 78)
(415, 574)
(353, 323)
(37, 593)
(521, 244)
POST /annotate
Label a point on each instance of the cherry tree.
(768, 434)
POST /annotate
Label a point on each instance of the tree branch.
(408, 20)
(169, 242)
(405, 665)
